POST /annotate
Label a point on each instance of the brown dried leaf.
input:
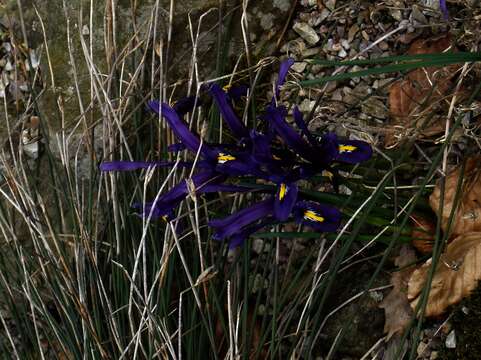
(456, 275)
(423, 234)
(396, 307)
(406, 97)
(468, 214)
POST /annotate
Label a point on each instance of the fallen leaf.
(468, 214)
(407, 97)
(457, 273)
(398, 312)
(423, 234)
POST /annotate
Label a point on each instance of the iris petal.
(444, 9)
(178, 126)
(317, 216)
(276, 119)
(301, 124)
(236, 92)
(285, 199)
(236, 222)
(283, 70)
(135, 165)
(228, 114)
(186, 104)
(240, 237)
(353, 151)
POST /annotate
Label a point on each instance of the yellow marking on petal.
(328, 174)
(222, 158)
(347, 148)
(275, 157)
(165, 218)
(226, 87)
(282, 191)
(313, 216)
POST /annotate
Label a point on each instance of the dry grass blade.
(456, 275)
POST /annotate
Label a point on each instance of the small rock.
(352, 32)
(296, 47)
(307, 53)
(345, 44)
(324, 15)
(329, 45)
(374, 107)
(365, 35)
(306, 32)
(342, 53)
(418, 16)
(383, 45)
(330, 4)
(337, 47)
(451, 340)
(396, 14)
(306, 105)
(299, 67)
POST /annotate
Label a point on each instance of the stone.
(374, 107)
(451, 340)
(299, 67)
(417, 16)
(306, 32)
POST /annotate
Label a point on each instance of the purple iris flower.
(236, 222)
(235, 93)
(283, 70)
(135, 165)
(317, 216)
(320, 152)
(444, 9)
(203, 183)
(186, 104)
(227, 112)
(241, 236)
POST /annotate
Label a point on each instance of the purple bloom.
(444, 9)
(347, 151)
(185, 105)
(235, 223)
(317, 216)
(283, 70)
(135, 165)
(286, 197)
(240, 237)
(178, 126)
(276, 118)
(225, 108)
(176, 147)
(236, 92)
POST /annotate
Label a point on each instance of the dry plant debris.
(396, 305)
(412, 100)
(423, 234)
(456, 275)
(468, 213)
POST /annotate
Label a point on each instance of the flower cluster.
(280, 155)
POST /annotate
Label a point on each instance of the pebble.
(306, 32)
(451, 340)
(299, 67)
(296, 47)
(307, 53)
(306, 105)
(417, 16)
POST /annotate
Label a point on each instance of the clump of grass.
(83, 276)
